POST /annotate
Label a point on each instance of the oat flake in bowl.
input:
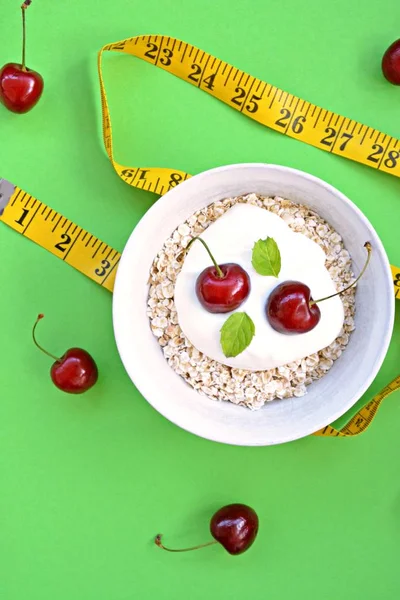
(221, 382)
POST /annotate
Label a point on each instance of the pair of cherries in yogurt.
(290, 308)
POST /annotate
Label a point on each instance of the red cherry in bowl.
(221, 288)
(75, 372)
(289, 309)
(391, 63)
(224, 290)
(234, 526)
(20, 87)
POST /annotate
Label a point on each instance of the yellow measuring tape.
(362, 420)
(253, 97)
(51, 230)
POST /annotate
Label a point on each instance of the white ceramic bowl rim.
(135, 354)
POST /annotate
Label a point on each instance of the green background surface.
(86, 482)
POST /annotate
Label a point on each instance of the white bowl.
(281, 420)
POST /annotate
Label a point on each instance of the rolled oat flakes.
(218, 381)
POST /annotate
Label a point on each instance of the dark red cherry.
(290, 309)
(222, 294)
(234, 526)
(75, 372)
(20, 87)
(221, 288)
(391, 63)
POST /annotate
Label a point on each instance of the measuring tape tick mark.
(60, 236)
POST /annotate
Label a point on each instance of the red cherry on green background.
(391, 63)
(75, 372)
(234, 526)
(20, 87)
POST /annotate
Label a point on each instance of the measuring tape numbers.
(256, 99)
(60, 236)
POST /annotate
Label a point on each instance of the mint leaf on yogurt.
(236, 334)
(266, 258)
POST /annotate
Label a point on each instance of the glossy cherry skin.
(222, 294)
(288, 308)
(75, 373)
(391, 63)
(235, 527)
(19, 90)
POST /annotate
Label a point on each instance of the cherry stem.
(368, 247)
(23, 38)
(218, 268)
(40, 317)
(158, 543)
(23, 8)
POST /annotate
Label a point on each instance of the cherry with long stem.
(75, 372)
(291, 309)
(234, 526)
(20, 86)
(39, 318)
(368, 247)
(159, 543)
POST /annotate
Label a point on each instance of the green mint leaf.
(236, 334)
(266, 258)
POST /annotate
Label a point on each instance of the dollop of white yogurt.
(231, 239)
